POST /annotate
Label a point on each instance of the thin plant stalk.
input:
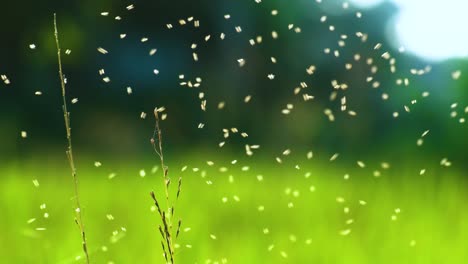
(69, 151)
(166, 229)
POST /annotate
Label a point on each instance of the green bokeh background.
(430, 228)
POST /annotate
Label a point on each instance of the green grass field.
(310, 215)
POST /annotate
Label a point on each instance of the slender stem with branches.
(167, 215)
(69, 151)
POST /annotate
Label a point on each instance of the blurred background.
(360, 85)
(426, 53)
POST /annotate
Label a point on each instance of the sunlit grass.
(298, 225)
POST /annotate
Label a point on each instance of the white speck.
(274, 34)
(311, 69)
(386, 55)
(456, 75)
(156, 71)
(24, 134)
(97, 164)
(334, 157)
(5, 79)
(345, 232)
(142, 173)
(74, 100)
(419, 142)
(241, 62)
(32, 46)
(406, 81)
(445, 162)
(102, 50)
(361, 164)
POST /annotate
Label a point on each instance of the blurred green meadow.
(249, 212)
